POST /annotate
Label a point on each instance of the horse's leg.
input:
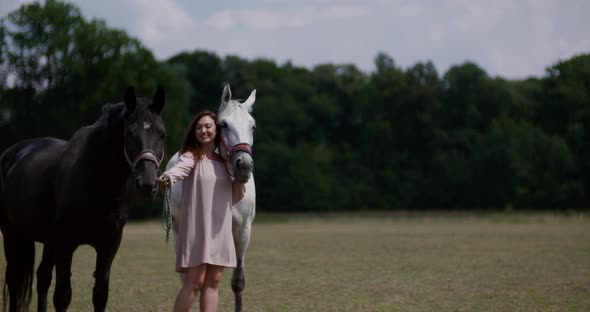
(63, 289)
(20, 264)
(238, 280)
(44, 274)
(105, 254)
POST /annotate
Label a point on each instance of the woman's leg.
(194, 278)
(210, 289)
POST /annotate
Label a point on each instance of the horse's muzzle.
(243, 165)
(146, 187)
(145, 178)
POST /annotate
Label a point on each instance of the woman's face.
(206, 130)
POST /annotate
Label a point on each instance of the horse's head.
(236, 128)
(144, 135)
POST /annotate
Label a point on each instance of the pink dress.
(205, 229)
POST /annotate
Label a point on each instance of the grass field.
(371, 263)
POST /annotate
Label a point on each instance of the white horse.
(236, 127)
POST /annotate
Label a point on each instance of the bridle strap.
(240, 147)
(146, 154)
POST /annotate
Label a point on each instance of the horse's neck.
(104, 151)
(114, 151)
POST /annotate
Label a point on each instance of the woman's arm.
(239, 189)
(181, 170)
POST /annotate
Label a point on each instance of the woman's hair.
(190, 143)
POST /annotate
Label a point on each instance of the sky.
(513, 39)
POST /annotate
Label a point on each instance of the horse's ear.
(159, 100)
(250, 101)
(130, 100)
(225, 97)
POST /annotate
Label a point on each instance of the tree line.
(329, 138)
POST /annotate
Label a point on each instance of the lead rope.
(166, 213)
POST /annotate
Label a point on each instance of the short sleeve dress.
(205, 229)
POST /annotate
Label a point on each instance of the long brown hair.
(190, 143)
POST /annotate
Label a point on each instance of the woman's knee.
(213, 276)
(195, 285)
(194, 278)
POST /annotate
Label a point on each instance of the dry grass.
(376, 263)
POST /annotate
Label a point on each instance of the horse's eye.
(223, 124)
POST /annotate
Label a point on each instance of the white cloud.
(477, 17)
(513, 39)
(157, 20)
(344, 12)
(438, 34)
(266, 19)
(221, 20)
(255, 19)
(7, 6)
(163, 26)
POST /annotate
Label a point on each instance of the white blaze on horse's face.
(236, 127)
(143, 137)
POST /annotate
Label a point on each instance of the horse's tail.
(19, 251)
(7, 159)
(18, 275)
(3, 171)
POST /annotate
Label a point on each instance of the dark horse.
(65, 194)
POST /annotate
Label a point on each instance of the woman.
(204, 238)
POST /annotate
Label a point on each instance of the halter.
(146, 154)
(240, 147)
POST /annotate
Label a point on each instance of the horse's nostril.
(239, 164)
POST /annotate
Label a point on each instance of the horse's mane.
(113, 113)
(111, 118)
(229, 108)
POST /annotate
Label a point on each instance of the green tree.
(71, 68)
(564, 110)
(64, 68)
(521, 166)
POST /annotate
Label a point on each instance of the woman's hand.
(239, 189)
(163, 182)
